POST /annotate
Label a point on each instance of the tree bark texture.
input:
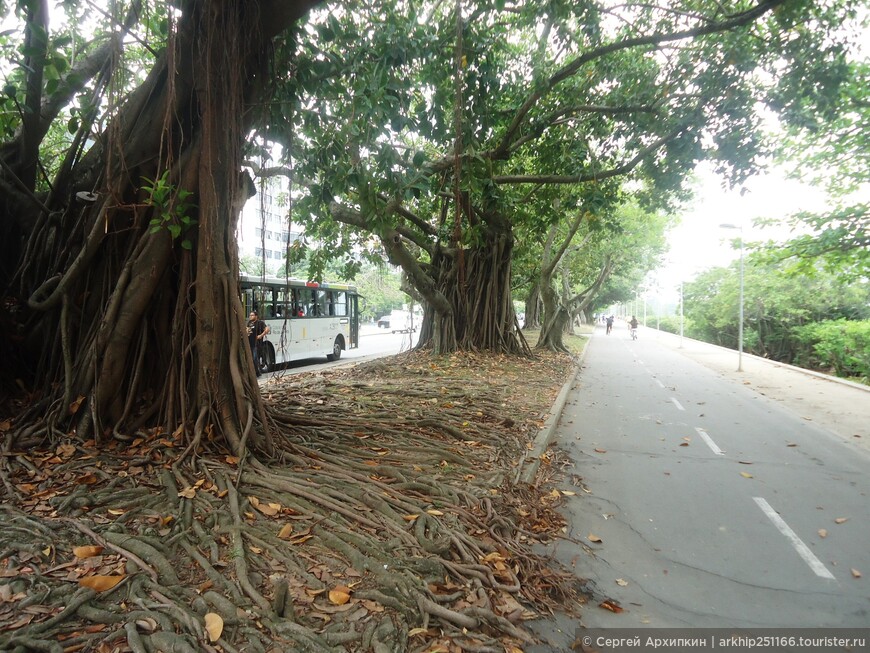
(125, 302)
(476, 282)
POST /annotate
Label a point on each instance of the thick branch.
(563, 114)
(589, 176)
(549, 267)
(571, 68)
(398, 253)
(582, 299)
(421, 224)
(278, 15)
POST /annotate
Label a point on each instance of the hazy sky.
(698, 243)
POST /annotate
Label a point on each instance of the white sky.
(699, 243)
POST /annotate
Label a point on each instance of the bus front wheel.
(336, 351)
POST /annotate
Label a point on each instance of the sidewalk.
(836, 405)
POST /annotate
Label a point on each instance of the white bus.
(306, 319)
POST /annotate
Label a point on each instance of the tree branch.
(582, 299)
(398, 254)
(503, 148)
(590, 176)
(547, 270)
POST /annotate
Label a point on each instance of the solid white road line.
(677, 404)
(706, 438)
(661, 385)
(803, 550)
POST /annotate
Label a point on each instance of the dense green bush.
(777, 304)
(671, 324)
(841, 345)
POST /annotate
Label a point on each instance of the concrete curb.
(531, 459)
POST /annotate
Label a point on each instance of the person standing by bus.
(257, 331)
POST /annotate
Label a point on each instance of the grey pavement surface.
(716, 498)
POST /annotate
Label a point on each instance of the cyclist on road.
(632, 325)
(609, 324)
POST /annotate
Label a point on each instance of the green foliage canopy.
(775, 304)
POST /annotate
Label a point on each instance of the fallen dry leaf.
(856, 573)
(601, 451)
(269, 509)
(841, 520)
(147, 624)
(214, 626)
(610, 604)
(593, 538)
(340, 595)
(285, 532)
(621, 582)
(823, 532)
(87, 551)
(75, 405)
(746, 475)
(101, 583)
(188, 493)
(417, 631)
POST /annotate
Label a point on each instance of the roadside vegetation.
(819, 321)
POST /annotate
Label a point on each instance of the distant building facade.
(264, 231)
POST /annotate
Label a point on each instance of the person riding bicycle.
(632, 325)
(609, 323)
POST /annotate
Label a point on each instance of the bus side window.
(308, 303)
(341, 304)
(320, 303)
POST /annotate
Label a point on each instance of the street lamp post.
(740, 310)
(681, 314)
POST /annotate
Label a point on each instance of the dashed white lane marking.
(706, 438)
(661, 385)
(677, 404)
(803, 550)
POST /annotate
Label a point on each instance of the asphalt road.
(714, 506)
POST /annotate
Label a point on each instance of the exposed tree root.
(387, 523)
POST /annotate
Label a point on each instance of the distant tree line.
(817, 320)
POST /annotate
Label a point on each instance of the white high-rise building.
(264, 231)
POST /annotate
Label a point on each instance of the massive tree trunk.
(476, 282)
(533, 308)
(465, 290)
(126, 287)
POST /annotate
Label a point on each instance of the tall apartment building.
(264, 232)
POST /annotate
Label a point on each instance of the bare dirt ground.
(842, 408)
(388, 519)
